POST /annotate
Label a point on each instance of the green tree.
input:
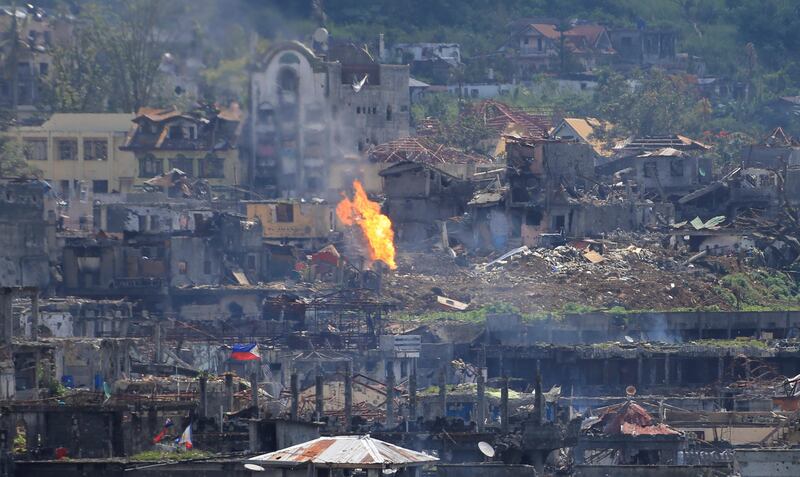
(12, 160)
(652, 103)
(79, 81)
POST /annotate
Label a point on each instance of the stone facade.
(310, 113)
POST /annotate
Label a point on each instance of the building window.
(389, 112)
(539, 44)
(474, 93)
(44, 69)
(150, 166)
(36, 149)
(182, 163)
(95, 150)
(289, 59)
(64, 186)
(251, 262)
(650, 169)
(676, 168)
(284, 213)
(212, 167)
(183, 268)
(175, 132)
(100, 187)
(68, 149)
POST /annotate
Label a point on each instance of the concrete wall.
(767, 462)
(482, 470)
(645, 471)
(24, 235)
(120, 167)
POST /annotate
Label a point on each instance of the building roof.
(586, 128)
(654, 143)
(86, 122)
(415, 83)
(345, 452)
(499, 116)
(418, 149)
(629, 418)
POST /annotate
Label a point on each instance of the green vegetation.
(735, 343)
(759, 291)
(160, 456)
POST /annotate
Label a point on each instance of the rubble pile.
(632, 276)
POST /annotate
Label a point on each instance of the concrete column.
(203, 384)
(653, 372)
(389, 394)
(348, 398)
(6, 315)
(157, 332)
(228, 392)
(504, 406)
(35, 315)
(640, 370)
(254, 393)
(481, 414)
(295, 391)
(538, 412)
(666, 369)
(606, 372)
(412, 393)
(319, 396)
(443, 391)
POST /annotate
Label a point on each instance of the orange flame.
(377, 228)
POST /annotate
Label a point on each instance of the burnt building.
(312, 108)
(201, 144)
(419, 195)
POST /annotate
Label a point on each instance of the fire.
(377, 228)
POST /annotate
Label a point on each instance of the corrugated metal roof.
(346, 452)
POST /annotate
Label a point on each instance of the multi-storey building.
(79, 151)
(311, 110)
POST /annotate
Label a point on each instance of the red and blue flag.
(245, 352)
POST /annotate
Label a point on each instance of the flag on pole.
(186, 437)
(163, 432)
(245, 352)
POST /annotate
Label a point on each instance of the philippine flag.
(186, 438)
(245, 352)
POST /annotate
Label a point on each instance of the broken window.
(68, 149)
(182, 163)
(150, 166)
(650, 169)
(212, 166)
(284, 213)
(558, 222)
(533, 217)
(175, 132)
(95, 150)
(676, 168)
(100, 187)
(36, 149)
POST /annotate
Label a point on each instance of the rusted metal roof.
(345, 452)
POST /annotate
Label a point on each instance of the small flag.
(167, 424)
(245, 352)
(186, 438)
